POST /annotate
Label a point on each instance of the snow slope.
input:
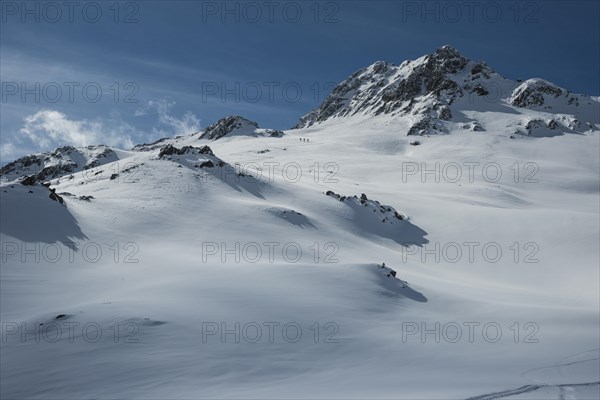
(241, 278)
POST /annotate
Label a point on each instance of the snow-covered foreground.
(180, 281)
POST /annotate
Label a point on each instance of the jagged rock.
(205, 150)
(167, 151)
(383, 88)
(114, 176)
(207, 164)
(533, 93)
(86, 198)
(55, 164)
(444, 113)
(276, 133)
(56, 197)
(421, 127)
(426, 91)
(364, 201)
(480, 90)
(226, 125)
(28, 180)
(170, 150)
(151, 146)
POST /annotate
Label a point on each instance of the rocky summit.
(437, 91)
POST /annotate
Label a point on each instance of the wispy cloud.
(169, 124)
(47, 129)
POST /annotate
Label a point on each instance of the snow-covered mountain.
(442, 91)
(237, 263)
(234, 125)
(60, 162)
(230, 126)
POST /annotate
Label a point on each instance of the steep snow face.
(436, 91)
(62, 161)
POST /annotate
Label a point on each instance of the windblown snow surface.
(136, 292)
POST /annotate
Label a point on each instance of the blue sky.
(127, 72)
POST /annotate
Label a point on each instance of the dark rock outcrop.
(226, 125)
(170, 150)
(28, 180)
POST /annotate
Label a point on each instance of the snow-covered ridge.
(435, 92)
(229, 126)
(68, 159)
(250, 232)
(236, 125)
(62, 161)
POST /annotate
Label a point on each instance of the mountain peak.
(236, 125)
(228, 124)
(384, 88)
(433, 92)
(447, 50)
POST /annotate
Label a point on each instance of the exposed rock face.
(28, 180)
(152, 146)
(532, 93)
(430, 90)
(207, 164)
(424, 86)
(227, 125)
(62, 161)
(55, 196)
(233, 125)
(389, 213)
(192, 157)
(540, 94)
(170, 150)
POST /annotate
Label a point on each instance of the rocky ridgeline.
(170, 150)
(427, 89)
(229, 126)
(424, 87)
(62, 161)
(535, 93)
(155, 145)
(32, 181)
(235, 124)
(386, 214)
(201, 157)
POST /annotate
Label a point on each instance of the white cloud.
(169, 124)
(48, 128)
